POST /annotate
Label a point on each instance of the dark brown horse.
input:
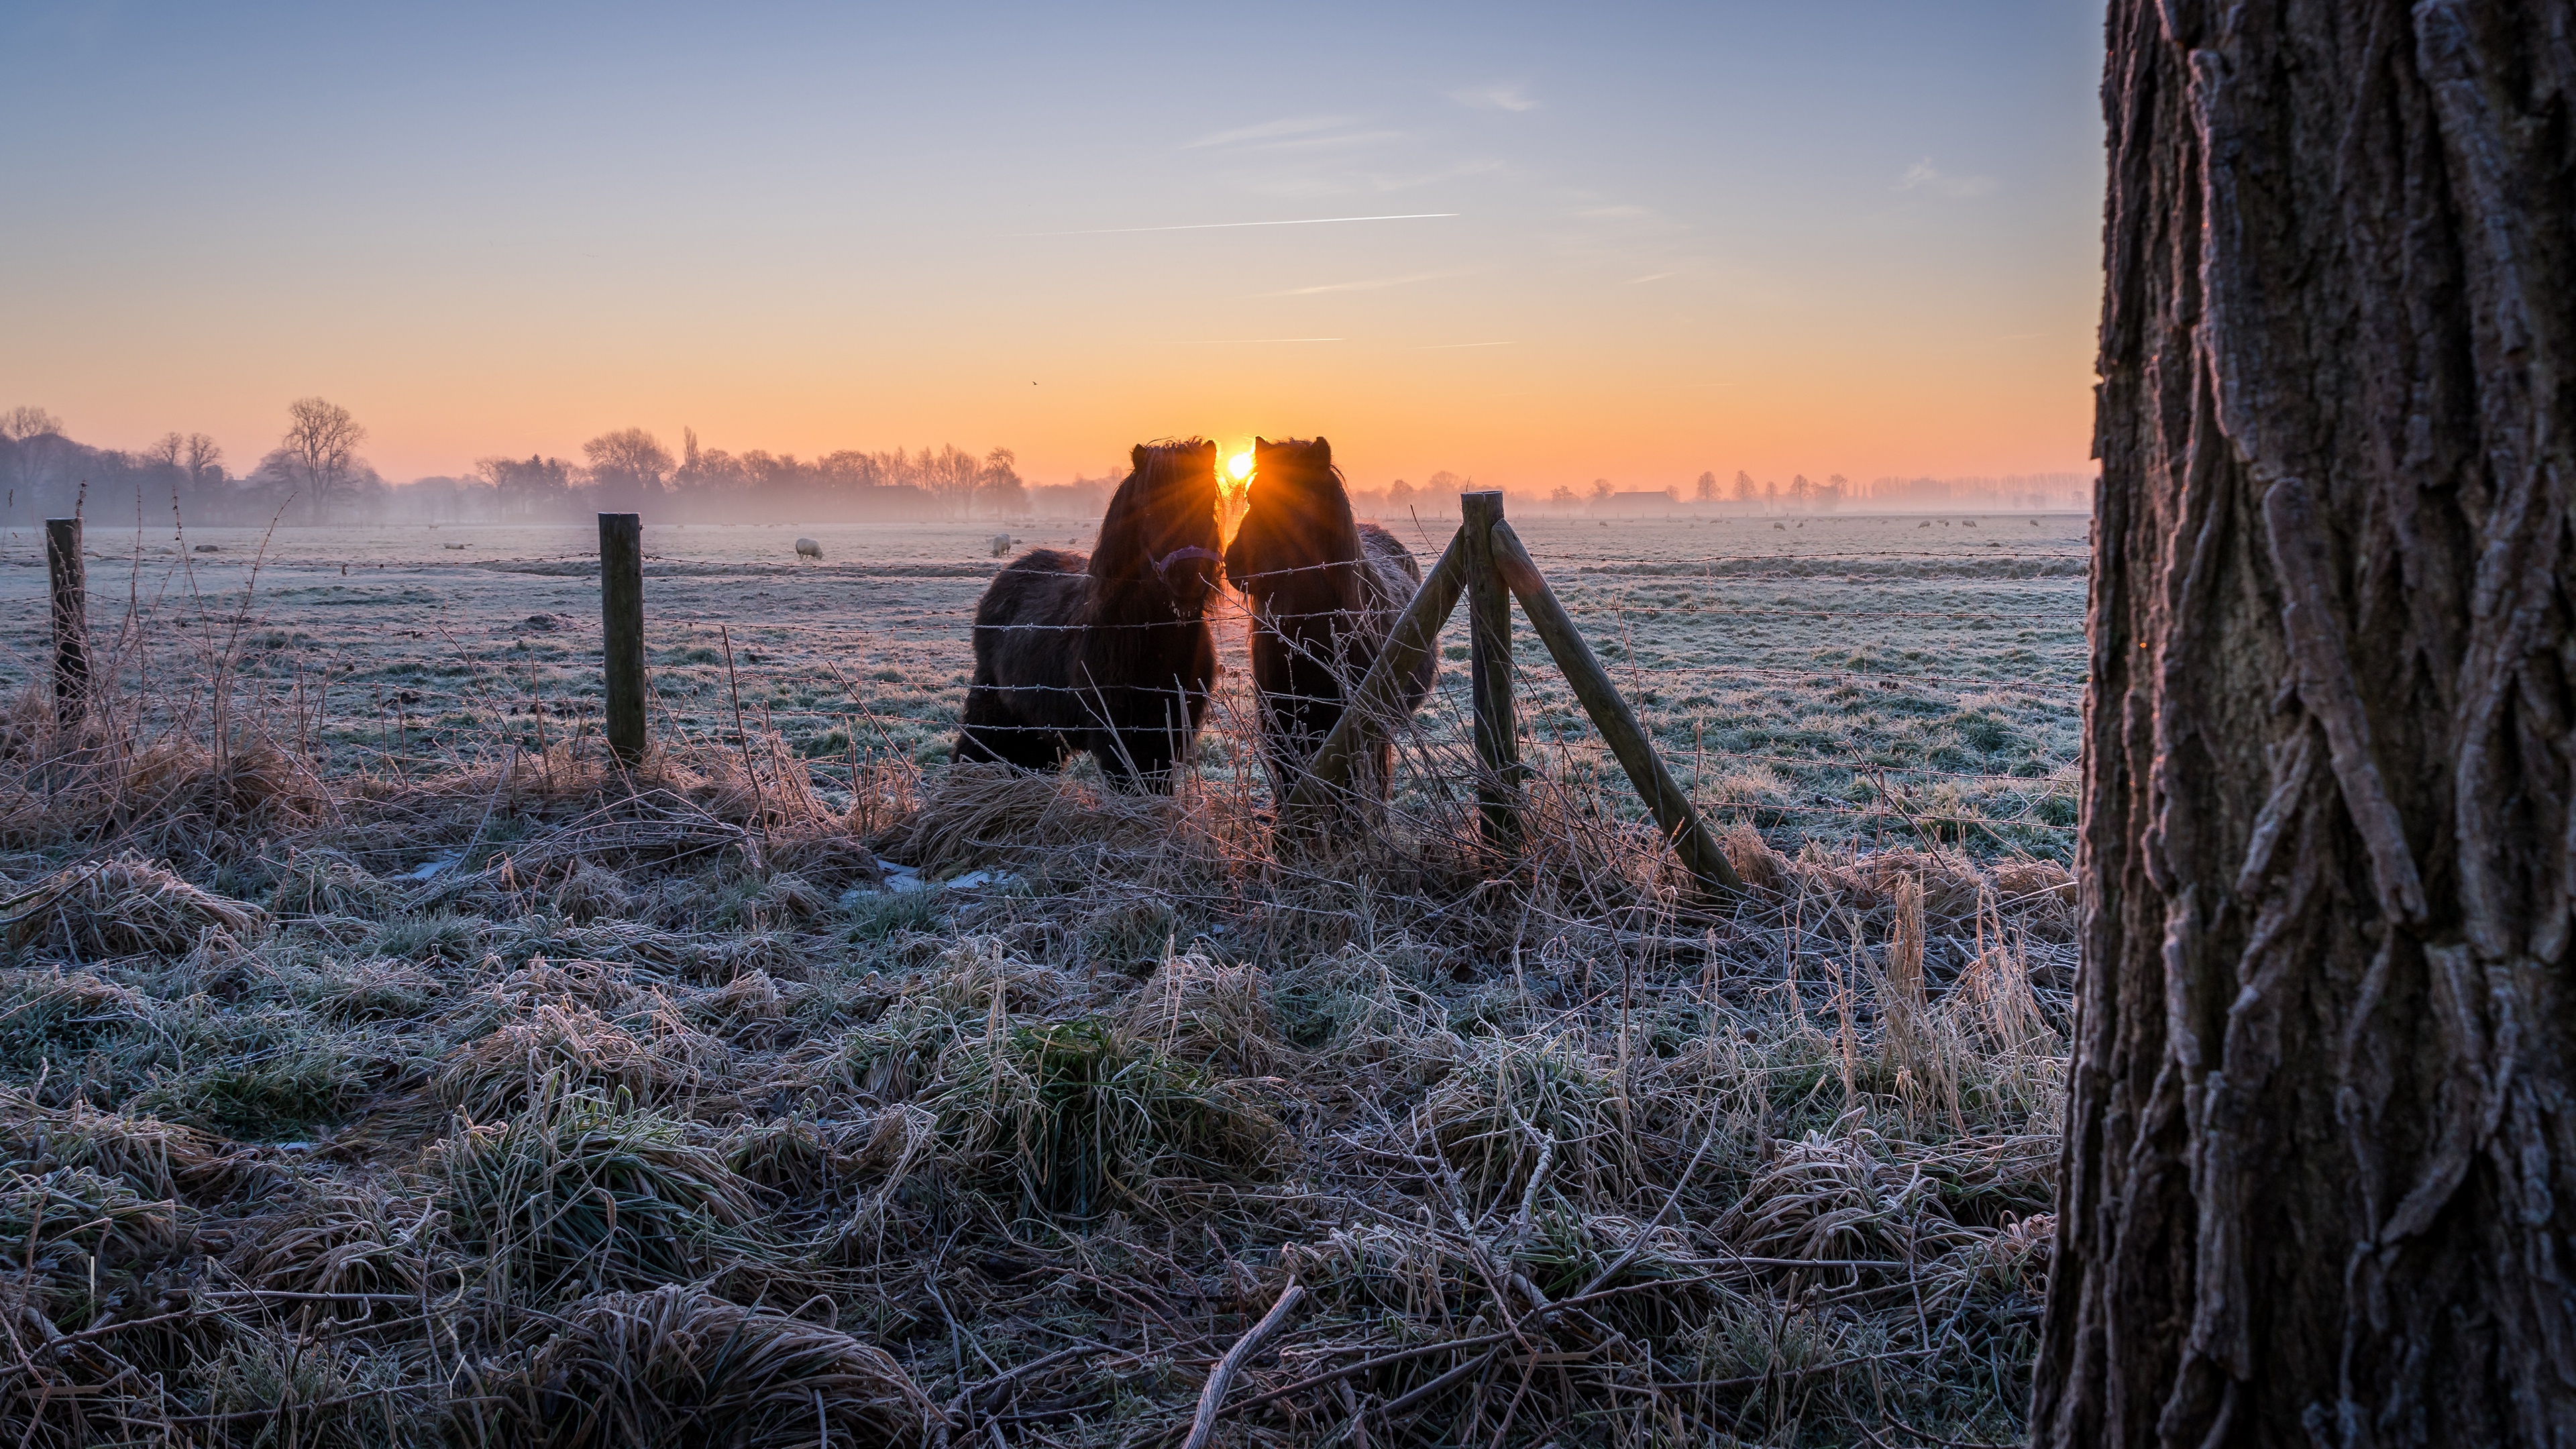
(1112, 653)
(1326, 591)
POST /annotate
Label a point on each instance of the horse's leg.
(989, 731)
(1139, 757)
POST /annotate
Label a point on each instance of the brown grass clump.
(161, 1159)
(994, 815)
(1218, 1015)
(591, 892)
(1084, 1120)
(125, 907)
(1515, 1109)
(558, 1046)
(328, 883)
(1829, 1198)
(830, 860)
(174, 790)
(1763, 869)
(346, 1243)
(2041, 894)
(679, 1367)
(576, 1190)
(76, 1238)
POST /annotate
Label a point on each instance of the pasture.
(382, 1067)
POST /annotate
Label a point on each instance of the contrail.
(1232, 341)
(1222, 225)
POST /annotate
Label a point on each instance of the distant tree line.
(316, 475)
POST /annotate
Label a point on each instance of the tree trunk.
(2320, 1162)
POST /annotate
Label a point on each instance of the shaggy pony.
(1326, 591)
(1110, 653)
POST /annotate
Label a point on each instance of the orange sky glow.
(1701, 239)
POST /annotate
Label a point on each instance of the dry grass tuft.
(128, 906)
(830, 860)
(1084, 1120)
(994, 815)
(1832, 1198)
(677, 1366)
(161, 1159)
(562, 1047)
(1210, 1013)
(576, 1189)
(591, 892)
(327, 883)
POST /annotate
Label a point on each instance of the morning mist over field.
(1531, 247)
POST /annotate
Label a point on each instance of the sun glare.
(1240, 465)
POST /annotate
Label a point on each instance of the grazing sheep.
(808, 548)
(1001, 545)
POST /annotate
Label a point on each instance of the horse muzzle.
(1163, 565)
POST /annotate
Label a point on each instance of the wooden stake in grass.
(621, 618)
(1489, 614)
(1663, 794)
(71, 619)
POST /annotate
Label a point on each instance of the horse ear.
(1323, 452)
(1136, 457)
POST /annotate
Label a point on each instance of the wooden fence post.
(621, 619)
(71, 619)
(1489, 633)
(1663, 794)
(1372, 705)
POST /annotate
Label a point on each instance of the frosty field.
(379, 1066)
(1832, 678)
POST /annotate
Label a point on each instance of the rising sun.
(1240, 465)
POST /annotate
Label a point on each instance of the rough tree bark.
(2320, 1163)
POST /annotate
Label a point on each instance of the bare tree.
(1743, 486)
(320, 448)
(21, 423)
(1706, 489)
(2319, 1173)
(165, 451)
(202, 459)
(628, 467)
(1000, 486)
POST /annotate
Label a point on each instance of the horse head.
(1298, 516)
(1161, 533)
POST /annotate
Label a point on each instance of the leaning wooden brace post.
(1373, 704)
(621, 620)
(71, 619)
(1664, 795)
(1489, 635)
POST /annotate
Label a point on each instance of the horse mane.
(1124, 553)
